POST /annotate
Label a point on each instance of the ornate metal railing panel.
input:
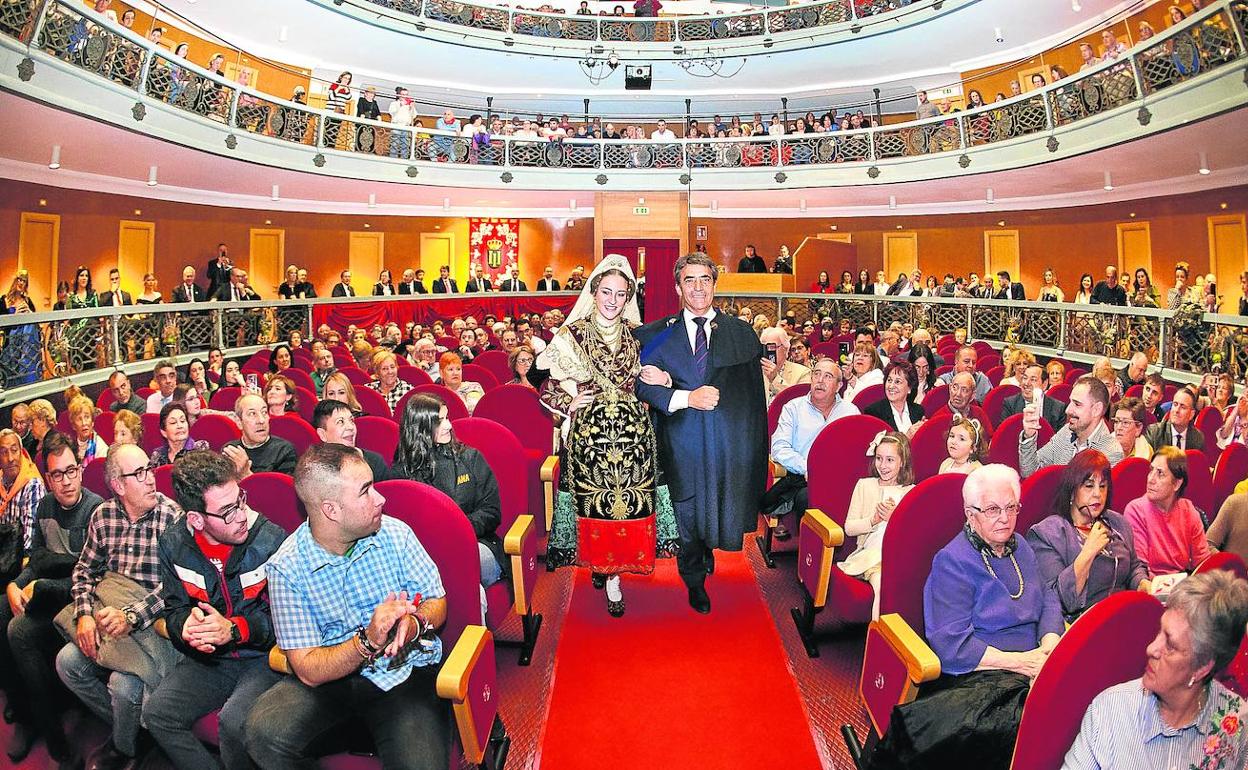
(74, 36)
(16, 16)
(809, 16)
(467, 15)
(284, 121)
(923, 139)
(1202, 47)
(722, 27)
(554, 25)
(616, 28)
(189, 88)
(364, 137)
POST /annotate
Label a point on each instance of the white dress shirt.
(680, 398)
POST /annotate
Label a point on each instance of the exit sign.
(641, 211)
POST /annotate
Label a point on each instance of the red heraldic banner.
(494, 246)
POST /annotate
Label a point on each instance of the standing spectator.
(924, 108)
(1176, 295)
(1108, 291)
(402, 113)
(1169, 534)
(1143, 292)
(115, 296)
(751, 262)
(219, 268)
(443, 146)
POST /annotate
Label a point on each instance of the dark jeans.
(195, 689)
(10, 682)
(409, 724)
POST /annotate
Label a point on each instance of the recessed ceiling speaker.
(637, 77)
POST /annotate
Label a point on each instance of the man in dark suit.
(343, 288)
(1009, 289)
(1177, 429)
(413, 282)
(513, 283)
(751, 262)
(188, 290)
(702, 375)
(237, 290)
(548, 281)
(219, 270)
(115, 297)
(1053, 411)
(477, 282)
(445, 283)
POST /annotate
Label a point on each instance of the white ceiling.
(925, 55)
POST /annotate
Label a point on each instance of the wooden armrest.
(549, 466)
(467, 680)
(829, 531)
(278, 661)
(161, 627)
(778, 471)
(520, 545)
(921, 663)
(453, 677)
(520, 529)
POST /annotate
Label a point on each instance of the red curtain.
(660, 257)
(425, 310)
(494, 246)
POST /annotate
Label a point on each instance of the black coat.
(106, 298)
(1016, 292)
(884, 411)
(754, 264)
(717, 458)
(379, 289)
(512, 284)
(475, 285)
(438, 288)
(342, 291)
(194, 294)
(1053, 412)
(405, 288)
(548, 284)
(225, 294)
(217, 276)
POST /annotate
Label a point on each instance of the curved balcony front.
(88, 66)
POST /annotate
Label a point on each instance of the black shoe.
(599, 580)
(615, 609)
(108, 757)
(781, 532)
(699, 600)
(21, 742)
(710, 562)
(60, 750)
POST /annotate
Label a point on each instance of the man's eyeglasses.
(996, 511)
(231, 512)
(70, 473)
(140, 475)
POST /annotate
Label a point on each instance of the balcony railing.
(1210, 41)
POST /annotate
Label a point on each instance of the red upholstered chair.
(151, 431)
(496, 362)
(216, 429)
(994, 402)
(1130, 477)
(977, 412)
(777, 404)
(104, 400)
(1226, 560)
(143, 393)
(356, 375)
(1135, 391)
(1003, 447)
(518, 529)
(1235, 675)
(1231, 469)
(62, 423)
(519, 409)
(372, 402)
(93, 479)
(983, 348)
(1200, 483)
(1036, 497)
(455, 408)
(447, 343)
(301, 354)
(1060, 393)
(1073, 374)
(995, 375)
(476, 373)
(946, 340)
(342, 359)
(987, 363)
(935, 400)
(294, 429)
(273, 494)
(1169, 392)
(414, 376)
(1208, 422)
(765, 541)
(378, 434)
(868, 395)
(307, 403)
(260, 357)
(301, 378)
(104, 426)
(943, 370)
(927, 446)
(1106, 646)
(223, 400)
(164, 480)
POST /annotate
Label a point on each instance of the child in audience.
(872, 503)
(964, 441)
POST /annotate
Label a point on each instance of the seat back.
(501, 450)
(1200, 483)
(474, 372)
(307, 403)
(301, 378)
(342, 359)
(1003, 448)
(1105, 646)
(151, 431)
(104, 400)
(1135, 391)
(983, 348)
(1060, 393)
(1235, 675)
(995, 375)
(935, 400)
(1130, 477)
(1233, 563)
(837, 459)
(830, 349)
(1073, 375)
(378, 434)
(1036, 497)
(223, 400)
(927, 446)
(294, 429)
(776, 407)
(1231, 469)
(273, 494)
(93, 479)
(987, 363)
(356, 375)
(994, 402)
(414, 376)
(868, 395)
(104, 426)
(496, 362)
(216, 429)
(455, 408)
(522, 412)
(164, 480)
(1208, 422)
(372, 402)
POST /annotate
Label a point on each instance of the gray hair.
(318, 473)
(696, 258)
(1215, 604)
(981, 477)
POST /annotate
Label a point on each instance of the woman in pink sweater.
(1169, 534)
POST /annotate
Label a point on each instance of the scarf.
(980, 545)
(25, 473)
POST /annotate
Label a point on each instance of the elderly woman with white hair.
(778, 371)
(992, 620)
(1176, 714)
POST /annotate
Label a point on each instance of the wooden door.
(366, 254)
(1228, 257)
(38, 246)
(1135, 248)
(267, 254)
(1001, 253)
(901, 254)
(136, 253)
(437, 250)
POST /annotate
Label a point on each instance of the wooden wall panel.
(1228, 256)
(366, 253)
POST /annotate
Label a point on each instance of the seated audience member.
(1177, 708)
(232, 376)
(362, 352)
(799, 351)
(1154, 394)
(962, 400)
(467, 349)
(165, 375)
(334, 422)
(1084, 429)
(1016, 362)
(1086, 551)
(175, 428)
(923, 359)
(91, 446)
(197, 377)
(964, 361)
(281, 396)
(865, 370)
(323, 368)
(1031, 379)
(124, 396)
(20, 421)
(257, 451)
(116, 595)
(890, 344)
(992, 620)
(1234, 428)
(1109, 291)
(897, 409)
(1169, 532)
(1178, 429)
(424, 354)
(966, 443)
(801, 421)
(1129, 416)
(339, 388)
(127, 428)
(872, 503)
(42, 422)
(28, 638)
(358, 645)
(1103, 370)
(1229, 531)
(1055, 374)
(781, 373)
(216, 611)
(428, 452)
(1134, 372)
(520, 360)
(21, 487)
(451, 374)
(280, 358)
(387, 383)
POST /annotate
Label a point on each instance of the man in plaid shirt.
(355, 600)
(21, 489)
(122, 538)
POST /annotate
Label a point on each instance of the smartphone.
(252, 381)
(771, 352)
(1037, 399)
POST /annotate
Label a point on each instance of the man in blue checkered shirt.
(355, 601)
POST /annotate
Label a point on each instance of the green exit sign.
(641, 211)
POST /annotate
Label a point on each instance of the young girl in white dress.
(966, 445)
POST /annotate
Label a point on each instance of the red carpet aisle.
(666, 687)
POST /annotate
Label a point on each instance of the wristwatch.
(132, 617)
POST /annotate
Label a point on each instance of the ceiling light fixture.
(801, 204)
(273, 194)
(446, 204)
(996, 33)
(1204, 163)
(833, 228)
(572, 204)
(992, 196)
(283, 34)
(1074, 6)
(56, 157)
(1000, 223)
(714, 205)
(372, 200)
(151, 177)
(892, 201)
(1109, 182)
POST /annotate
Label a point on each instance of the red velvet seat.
(223, 399)
(1235, 675)
(994, 402)
(1060, 393)
(93, 479)
(983, 348)
(414, 376)
(987, 363)
(62, 423)
(868, 395)
(307, 403)
(496, 362)
(1130, 477)
(928, 447)
(378, 434)
(164, 480)
(830, 349)
(484, 377)
(519, 408)
(777, 404)
(216, 429)
(455, 408)
(1135, 391)
(273, 494)
(294, 429)
(372, 402)
(104, 426)
(301, 378)
(1169, 392)
(1200, 483)
(357, 376)
(995, 375)
(1074, 373)
(342, 359)
(1036, 497)
(151, 431)
(104, 400)
(935, 400)
(1231, 469)
(144, 392)
(1003, 447)
(943, 370)
(1208, 422)
(447, 342)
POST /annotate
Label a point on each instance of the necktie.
(699, 347)
(1178, 439)
(116, 299)
(236, 293)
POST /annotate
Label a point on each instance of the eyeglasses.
(71, 473)
(1125, 423)
(231, 511)
(140, 475)
(996, 511)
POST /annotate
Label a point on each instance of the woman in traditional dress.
(611, 514)
(20, 353)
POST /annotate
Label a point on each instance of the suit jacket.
(1053, 411)
(106, 298)
(406, 288)
(225, 294)
(194, 294)
(475, 285)
(1161, 434)
(1016, 292)
(884, 411)
(379, 289)
(217, 276)
(342, 291)
(509, 284)
(439, 288)
(548, 284)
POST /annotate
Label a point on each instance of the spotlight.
(892, 201)
(372, 200)
(996, 32)
(273, 194)
(1109, 182)
(613, 60)
(1204, 164)
(572, 204)
(802, 204)
(151, 177)
(992, 197)
(1075, 6)
(56, 157)
(714, 205)
(446, 204)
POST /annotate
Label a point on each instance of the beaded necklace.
(1021, 583)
